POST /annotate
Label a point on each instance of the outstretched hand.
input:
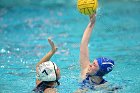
(54, 48)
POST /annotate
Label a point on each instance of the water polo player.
(47, 72)
(92, 73)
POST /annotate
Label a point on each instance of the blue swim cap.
(105, 66)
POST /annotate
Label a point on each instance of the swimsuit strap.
(103, 81)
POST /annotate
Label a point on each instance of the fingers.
(54, 48)
(51, 42)
(92, 16)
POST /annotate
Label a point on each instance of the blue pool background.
(25, 27)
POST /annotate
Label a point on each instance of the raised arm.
(84, 55)
(49, 54)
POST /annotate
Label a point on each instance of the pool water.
(23, 42)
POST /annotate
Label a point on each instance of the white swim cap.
(47, 71)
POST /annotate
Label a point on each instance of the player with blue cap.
(105, 66)
(92, 73)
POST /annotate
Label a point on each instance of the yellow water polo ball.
(87, 7)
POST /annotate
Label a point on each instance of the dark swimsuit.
(88, 83)
(44, 85)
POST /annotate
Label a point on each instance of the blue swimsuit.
(88, 83)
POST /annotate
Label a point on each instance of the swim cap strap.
(55, 70)
(58, 83)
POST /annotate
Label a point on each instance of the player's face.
(93, 68)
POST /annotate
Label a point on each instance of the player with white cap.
(47, 73)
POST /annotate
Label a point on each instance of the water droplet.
(17, 49)
(2, 50)
(8, 52)
(2, 66)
